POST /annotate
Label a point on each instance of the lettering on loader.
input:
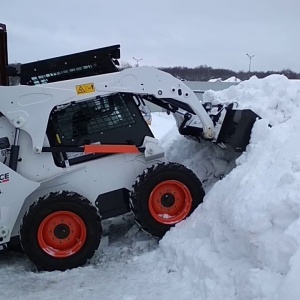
(4, 177)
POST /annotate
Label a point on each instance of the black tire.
(52, 228)
(164, 195)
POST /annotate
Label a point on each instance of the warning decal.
(85, 88)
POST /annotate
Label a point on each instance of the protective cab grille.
(85, 121)
(114, 119)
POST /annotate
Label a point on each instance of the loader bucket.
(236, 128)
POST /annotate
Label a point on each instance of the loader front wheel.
(60, 231)
(163, 196)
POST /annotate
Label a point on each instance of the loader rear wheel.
(163, 196)
(60, 231)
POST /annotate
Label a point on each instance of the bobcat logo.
(4, 177)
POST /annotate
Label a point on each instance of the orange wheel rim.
(62, 234)
(170, 202)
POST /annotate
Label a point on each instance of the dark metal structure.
(3, 55)
(77, 65)
(236, 128)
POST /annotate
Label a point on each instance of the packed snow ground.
(243, 242)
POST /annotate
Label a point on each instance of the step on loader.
(76, 149)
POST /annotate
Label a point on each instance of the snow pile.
(275, 98)
(244, 241)
(209, 162)
(215, 80)
(232, 79)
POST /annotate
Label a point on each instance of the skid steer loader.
(75, 149)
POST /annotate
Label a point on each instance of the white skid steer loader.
(75, 149)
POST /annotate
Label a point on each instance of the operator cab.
(111, 120)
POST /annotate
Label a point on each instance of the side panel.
(94, 178)
(13, 191)
(33, 166)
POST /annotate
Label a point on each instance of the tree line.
(205, 73)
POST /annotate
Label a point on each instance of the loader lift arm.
(22, 104)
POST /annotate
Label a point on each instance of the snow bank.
(232, 79)
(244, 241)
(209, 163)
(275, 98)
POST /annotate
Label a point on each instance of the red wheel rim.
(170, 202)
(62, 234)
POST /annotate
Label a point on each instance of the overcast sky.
(163, 32)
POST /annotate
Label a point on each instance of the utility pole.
(137, 61)
(250, 58)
